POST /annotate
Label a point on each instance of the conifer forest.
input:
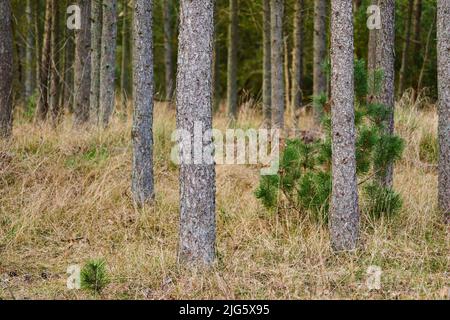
(224, 149)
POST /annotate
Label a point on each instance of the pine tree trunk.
(37, 46)
(82, 69)
(386, 62)
(108, 61)
(320, 47)
(168, 51)
(232, 61)
(297, 62)
(6, 70)
(194, 105)
(54, 105)
(125, 58)
(29, 51)
(143, 80)
(344, 219)
(43, 103)
(406, 46)
(372, 50)
(96, 49)
(443, 34)
(287, 73)
(267, 78)
(425, 58)
(278, 103)
(417, 26)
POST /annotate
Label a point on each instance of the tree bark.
(82, 69)
(406, 47)
(96, 49)
(194, 105)
(108, 61)
(143, 80)
(443, 34)
(267, 83)
(372, 50)
(43, 103)
(29, 51)
(168, 51)
(386, 63)
(344, 220)
(54, 105)
(125, 58)
(232, 61)
(297, 62)
(278, 90)
(320, 51)
(6, 70)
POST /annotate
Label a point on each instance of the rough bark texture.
(267, 73)
(194, 104)
(344, 220)
(443, 33)
(55, 107)
(385, 61)
(6, 69)
(406, 46)
(82, 69)
(96, 49)
(168, 51)
(232, 61)
(320, 50)
(278, 102)
(297, 63)
(29, 51)
(108, 61)
(143, 80)
(43, 104)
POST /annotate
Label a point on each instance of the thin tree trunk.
(6, 70)
(168, 51)
(29, 51)
(43, 103)
(54, 105)
(96, 49)
(82, 67)
(143, 80)
(125, 59)
(267, 83)
(287, 73)
(37, 46)
(386, 63)
(372, 51)
(297, 62)
(232, 61)
(406, 46)
(194, 106)
(320, 52)
(278, 102)
(417, 27)
(344, 222)
(425, 58)
(443, 34)
(108, 61)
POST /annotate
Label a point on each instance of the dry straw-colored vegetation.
(65, 198)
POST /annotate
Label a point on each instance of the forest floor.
(65, 198)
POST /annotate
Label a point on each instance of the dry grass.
(65, 198)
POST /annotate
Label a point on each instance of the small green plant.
(94, 276)
(304, 181)
(428, 148)
(381, 201)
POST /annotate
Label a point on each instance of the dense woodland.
(91, 91)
